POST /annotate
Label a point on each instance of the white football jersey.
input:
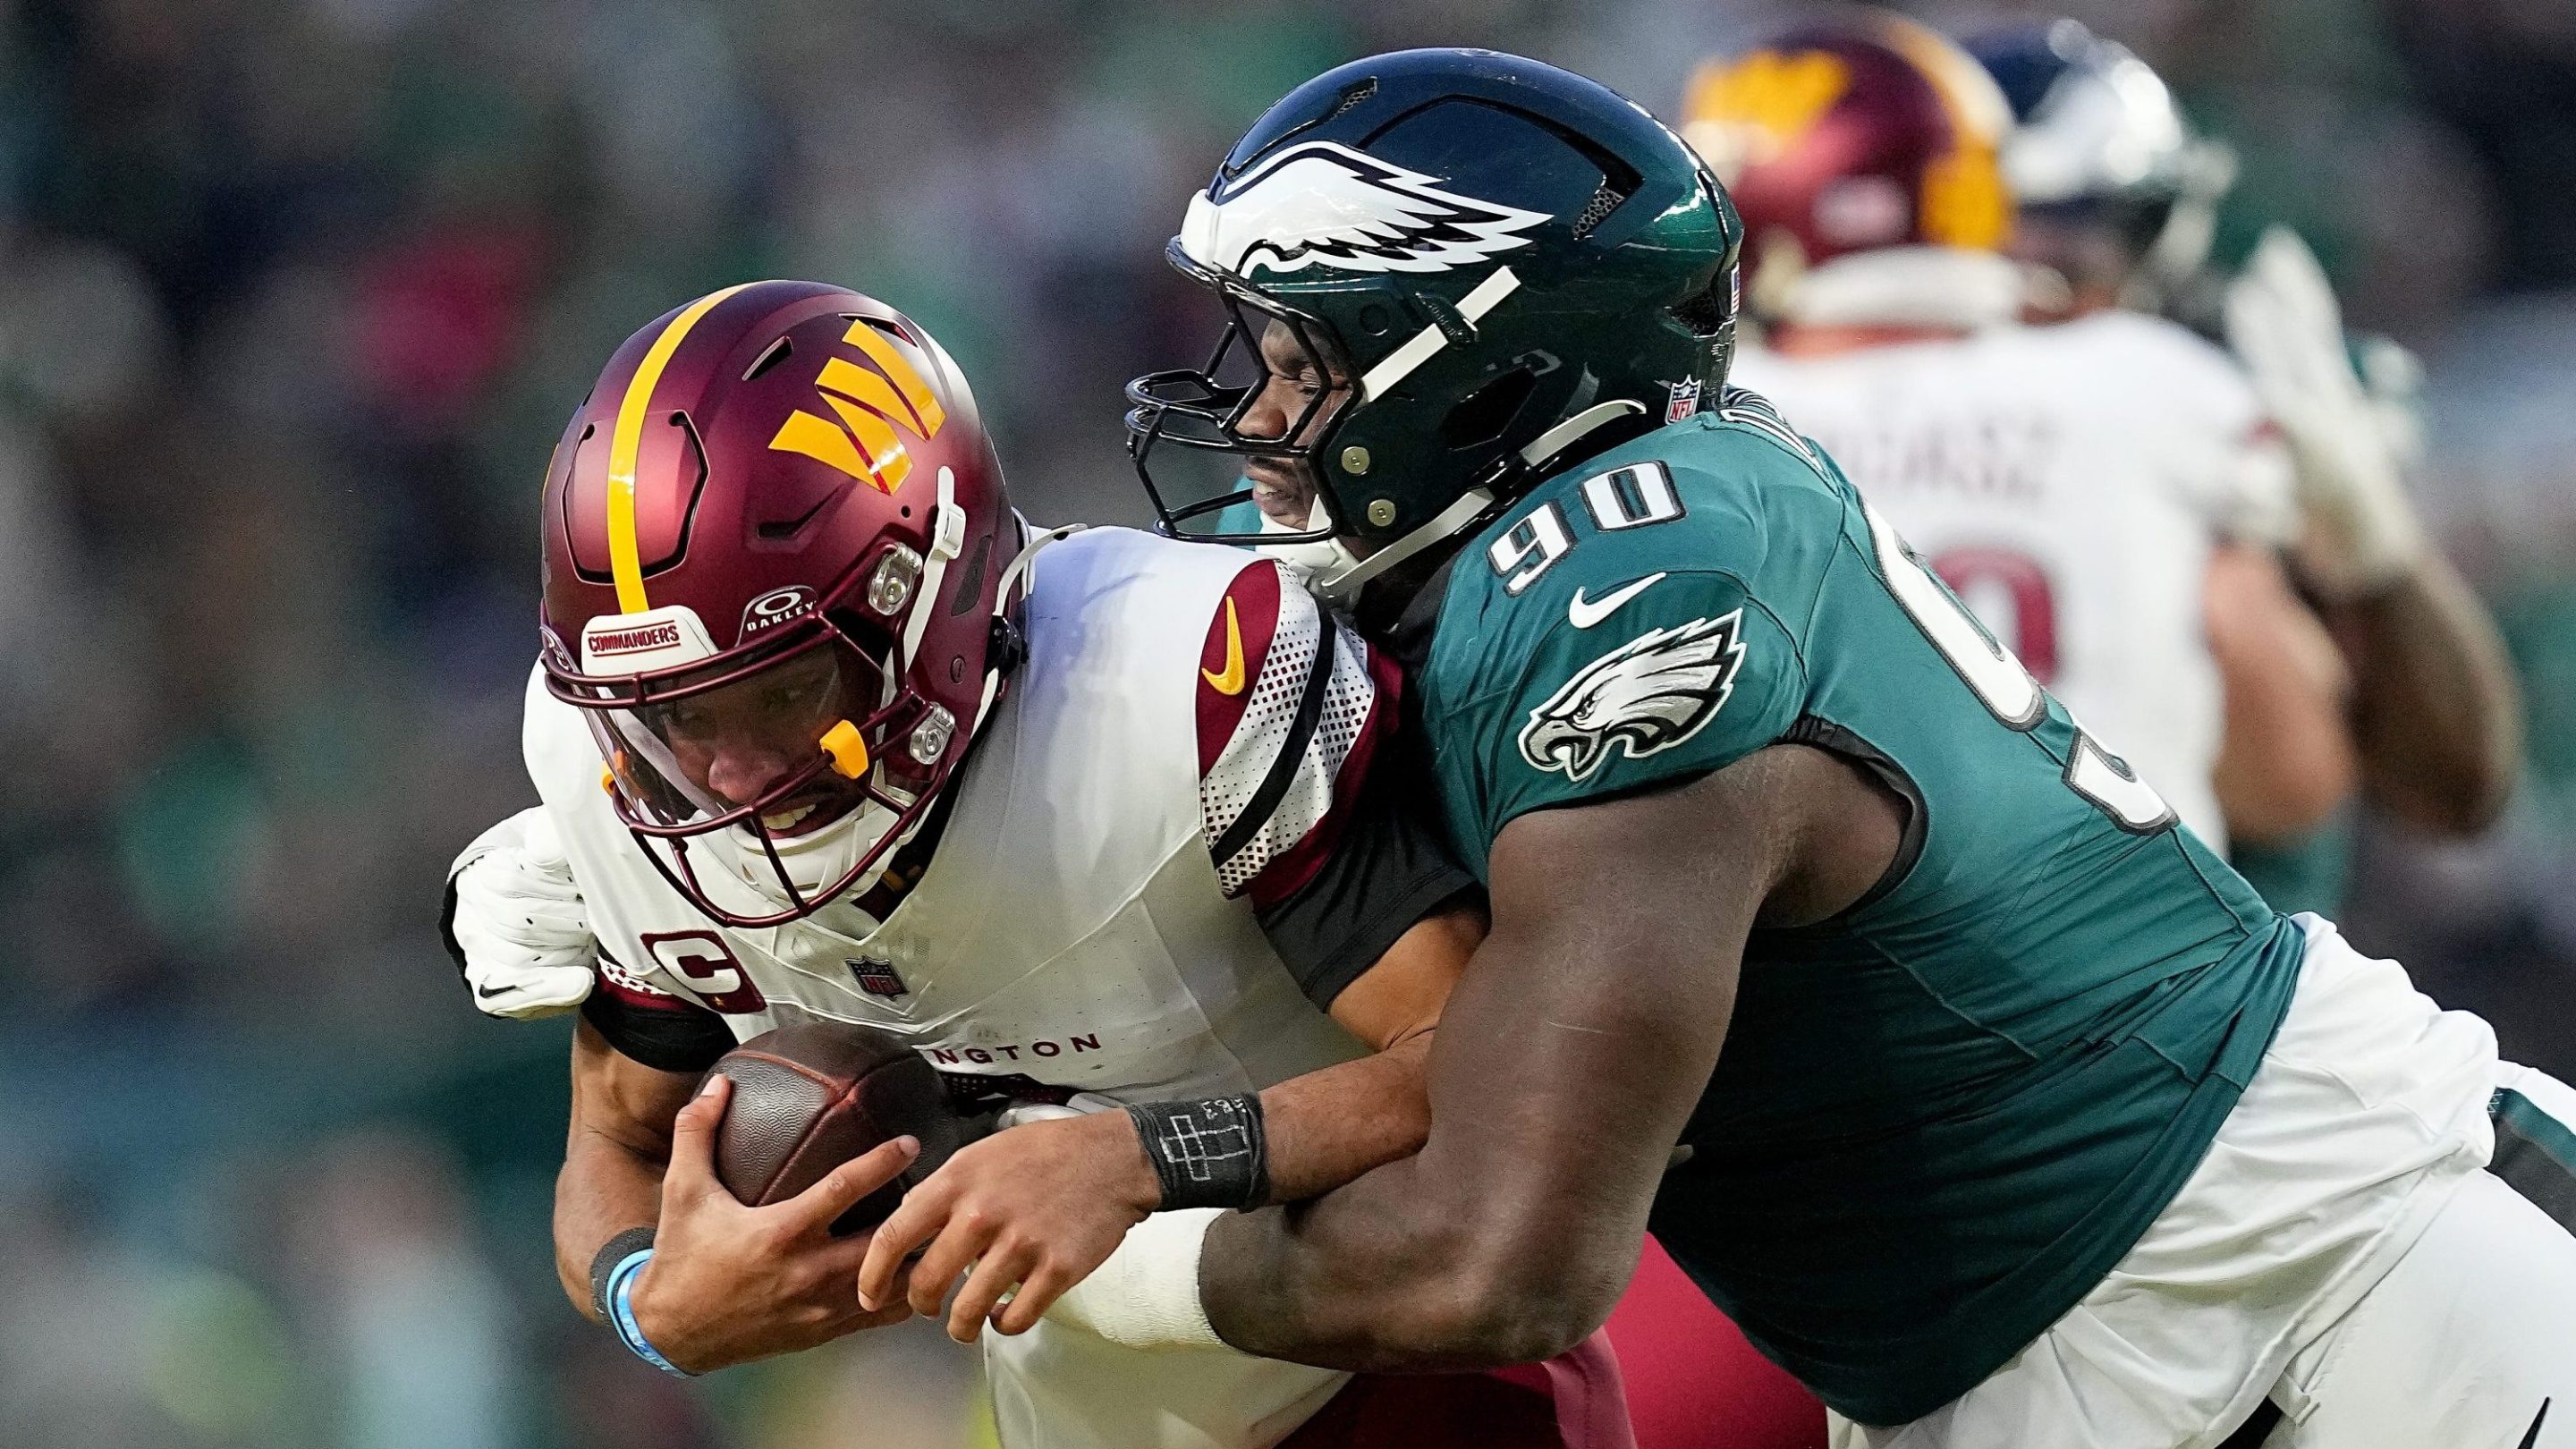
(1073, 930)
(2068, 483)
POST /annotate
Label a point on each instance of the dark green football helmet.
(1448, 273)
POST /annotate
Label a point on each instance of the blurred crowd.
(294, 295)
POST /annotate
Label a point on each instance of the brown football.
(809, 1097)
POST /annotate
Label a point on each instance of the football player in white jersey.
(824, 731)
(2107, 495)
(2118, 203)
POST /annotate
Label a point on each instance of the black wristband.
(604, 1262)
(1208, 1153)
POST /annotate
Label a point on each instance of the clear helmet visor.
(751, 741)
(761, 790)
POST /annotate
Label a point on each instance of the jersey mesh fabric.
(1249, 756)
(1349, 698)
(1942, 1116)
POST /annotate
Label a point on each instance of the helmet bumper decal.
(670, 637)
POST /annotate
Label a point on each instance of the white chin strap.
(1340, 585)
(1318, 560)
(1033, 543)
(1934, 287)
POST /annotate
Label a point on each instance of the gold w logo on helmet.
(870, 406)
(1758, 107)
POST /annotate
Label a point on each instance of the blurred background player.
(2119, 201)
(2106, 494)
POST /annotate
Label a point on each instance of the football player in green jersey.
(2032, 1124)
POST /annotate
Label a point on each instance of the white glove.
(515, 921)
(2352, 445)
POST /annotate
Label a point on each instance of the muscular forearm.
(604, 1189)
(1323, 1129)
(2437, 713)
(2285, 758)
(615, 1155)
(1046, 1204)
(1485, 1248)
(1380, 1276)
(1328, 1129)
(1565, 1067)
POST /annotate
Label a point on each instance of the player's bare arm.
(2440, 725)
(727, 1284)
(615, 1153)
(1043, 1204)
(1566, 1066)
(2285, 760)
(1328, 1127)
(2437, 714)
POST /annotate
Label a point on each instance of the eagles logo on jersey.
(1642, 698)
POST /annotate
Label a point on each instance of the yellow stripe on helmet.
(627, 440)
(1965, 202)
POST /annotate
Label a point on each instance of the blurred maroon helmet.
(1863, 133)
(776, 548)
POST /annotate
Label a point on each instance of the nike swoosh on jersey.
(484, 993)
(1587, 612)
(1231, 681)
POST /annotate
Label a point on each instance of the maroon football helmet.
(776, 549)
(1863, 133)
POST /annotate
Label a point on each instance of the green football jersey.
(1942, 1116)
(2309, 873)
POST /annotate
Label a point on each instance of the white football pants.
(2469, 1341)
(2365, 1246)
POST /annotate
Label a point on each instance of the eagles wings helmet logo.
(1642, 698)
(1326, 205)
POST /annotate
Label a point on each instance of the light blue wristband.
(621, 1313)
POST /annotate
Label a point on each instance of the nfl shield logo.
(877, 978)
(1683, 400)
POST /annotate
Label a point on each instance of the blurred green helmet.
(1447, 274)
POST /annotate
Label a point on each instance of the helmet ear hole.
(1706, 313)
(1487, 413)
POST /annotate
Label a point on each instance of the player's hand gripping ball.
(809, 1097)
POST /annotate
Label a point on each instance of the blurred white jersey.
(2068, 483)
(1072, 930)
